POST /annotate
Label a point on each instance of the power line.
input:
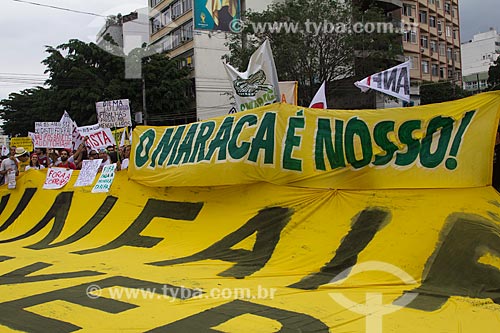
(60, 8)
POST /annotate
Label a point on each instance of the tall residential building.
(433, 43)
(478, 55)
(172, 26)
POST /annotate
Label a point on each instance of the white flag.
(258, 86)
(319, 100)
(122, 139)
(394, 81)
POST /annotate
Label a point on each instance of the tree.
(81, 74)
(443, 91)
(312, 43)
(494, 75)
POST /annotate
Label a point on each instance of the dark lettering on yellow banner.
(454, 269)
(365, 226)
(86, 229)
(16, 317)
(186, 211)
(21, 275)
(203, 322)
(21, 206)
(268, 224)
(3, 203)
(58, 212)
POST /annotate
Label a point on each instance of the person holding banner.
(10, 169)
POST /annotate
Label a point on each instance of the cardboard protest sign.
(114, 113)
(22, 141)
(104, 182)
(97, 137)
(52, 135)
(57, 178)
(88, 172)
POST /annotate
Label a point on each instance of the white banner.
(52, 135)
(88, 172)
(113, 113)
(57, 178)
(76, 138)
(97, 137)
(394, 81)
(288, 91)
(258, 86)
(106, 179)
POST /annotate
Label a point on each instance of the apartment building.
(433, 42)
(478, 55)
(188, 30)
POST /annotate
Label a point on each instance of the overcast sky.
(25, 29)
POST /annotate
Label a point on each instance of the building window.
(449, 31)
(413, 61)
(425, 67)
(423, 17)
(432, 21)
(449, 53)
(167, 16)
(442, 72)
(450, 73)
(442, 49)
(440, 26)
(424, 42)
(447, 7)
(410, 36)
(435, 70)
(408, 9)
(434, 46)
(187, 5)
(187, 31)
(176, 10)
(155, 2)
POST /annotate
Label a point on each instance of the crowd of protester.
(20, 160)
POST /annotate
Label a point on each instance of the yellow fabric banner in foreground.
(447, 145)
(237, 259)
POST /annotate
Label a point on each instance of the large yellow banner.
(447, 145)
(248, 258)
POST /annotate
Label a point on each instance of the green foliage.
(442, 91)
(81, 74)
(311, 56)
(494, 75)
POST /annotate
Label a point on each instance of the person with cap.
(23, 158)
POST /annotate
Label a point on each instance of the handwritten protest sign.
(57, 178)
(52, 135)
(114, 113)
(24, 141)
(98, 137)
(106, 179)
(88, 172)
